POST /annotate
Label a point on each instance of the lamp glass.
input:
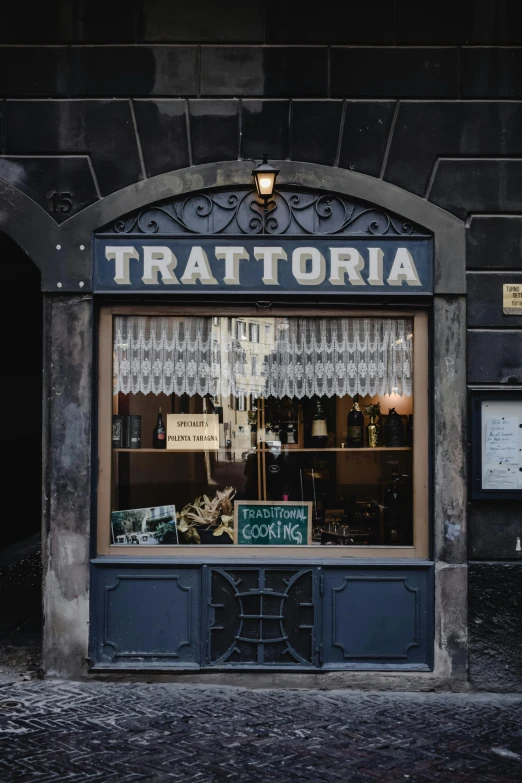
(265, 181)
(266, 184)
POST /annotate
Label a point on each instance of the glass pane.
(212, 411)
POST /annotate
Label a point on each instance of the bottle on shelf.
(159, 434)
(132, 432)
(394, 430)
(355, 439)
(373, 429)
(319, 435)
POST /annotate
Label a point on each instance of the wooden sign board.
(512, 298)
(194, 431)
(272, 523)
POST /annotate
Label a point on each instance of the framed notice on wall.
(496, 444)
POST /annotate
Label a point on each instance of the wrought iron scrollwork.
(261, 617)
(242, 212)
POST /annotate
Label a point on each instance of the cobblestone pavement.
(54, 731)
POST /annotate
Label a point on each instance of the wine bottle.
(372, 430)
(159, 434)
(319, 436)
(133, 432)
(355, 438)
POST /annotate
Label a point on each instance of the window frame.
(421, 438)
(241, 329)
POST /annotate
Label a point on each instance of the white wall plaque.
(512, 298)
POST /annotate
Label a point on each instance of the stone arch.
(26, 223)
(70, 265)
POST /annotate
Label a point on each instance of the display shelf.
(362, 448)
(179, 451)
(261, 450)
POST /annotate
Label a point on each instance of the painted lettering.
(232, 256)
(317, 273)
(249, 266)
(346, 261)
(121, 256)
(159, 259)
(198, 268)
(270, 256)
(375, 266)
(403, 268)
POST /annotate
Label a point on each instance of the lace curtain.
(297, 357)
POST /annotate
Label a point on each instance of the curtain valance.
(278, 357)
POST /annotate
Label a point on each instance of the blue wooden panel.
(146, 615)
(165, 615)
(377, 617)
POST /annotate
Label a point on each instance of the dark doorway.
(21, 445)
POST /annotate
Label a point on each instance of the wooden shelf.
(362, 448)
(175, 451)
(261, 450)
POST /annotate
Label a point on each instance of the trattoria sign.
(395, 265)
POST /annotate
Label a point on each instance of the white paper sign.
(192, 431)
(502, 440)
(501, 478)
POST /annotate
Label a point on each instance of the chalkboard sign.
(272, 523)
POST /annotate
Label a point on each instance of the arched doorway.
(21, 445)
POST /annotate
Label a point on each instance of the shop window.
(328, 412)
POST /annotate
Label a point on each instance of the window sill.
(313, 552)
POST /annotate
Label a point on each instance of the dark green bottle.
(355, 438)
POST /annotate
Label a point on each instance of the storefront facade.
(361, 597)
(376, 269)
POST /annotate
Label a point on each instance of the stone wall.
(97, 96)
